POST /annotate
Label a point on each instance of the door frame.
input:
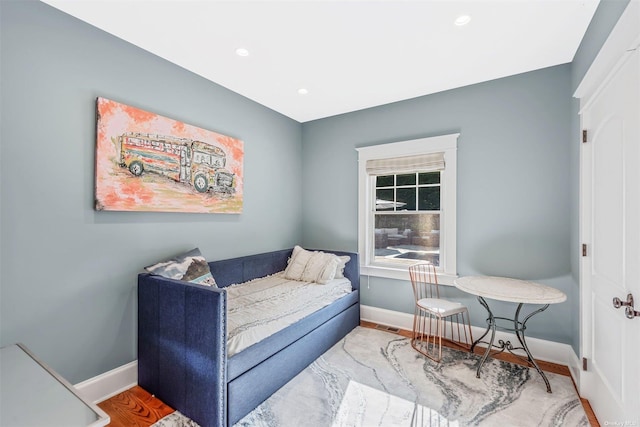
(622, 41)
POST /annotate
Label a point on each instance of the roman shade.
(407, 164)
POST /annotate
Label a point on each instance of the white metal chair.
(432, 315)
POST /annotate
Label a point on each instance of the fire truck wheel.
(201, 183)
(136, 168)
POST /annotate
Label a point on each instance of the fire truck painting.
(192, 162)
(146, 162)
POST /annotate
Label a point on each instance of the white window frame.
(447, 144)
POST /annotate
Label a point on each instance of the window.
(407, 195)
(407, 218)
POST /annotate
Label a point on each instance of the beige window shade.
(421, 163)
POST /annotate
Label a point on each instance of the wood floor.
(137, 408)
(134, 407)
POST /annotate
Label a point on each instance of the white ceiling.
(349, 55)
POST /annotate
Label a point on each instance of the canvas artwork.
(147, 162)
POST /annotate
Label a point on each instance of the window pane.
(429, 178)
(429, 199)
(407, 238)
(408, 179)
(384, 181)
(384, 200)
(406, 199)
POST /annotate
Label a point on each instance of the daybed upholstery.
(182, 336)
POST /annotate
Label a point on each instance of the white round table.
(509, 290)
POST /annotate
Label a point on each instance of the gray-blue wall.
(513, 184)
(518, 179)
(68, 273)
(603, 21)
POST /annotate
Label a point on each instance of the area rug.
(375, 378)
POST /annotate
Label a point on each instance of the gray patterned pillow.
(189, 267)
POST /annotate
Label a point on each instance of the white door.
(610, 226)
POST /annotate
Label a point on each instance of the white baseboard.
(575, 367)
(110, 383)
(548, 351)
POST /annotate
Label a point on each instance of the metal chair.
(432, 314)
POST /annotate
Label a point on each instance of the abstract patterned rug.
(375, 378)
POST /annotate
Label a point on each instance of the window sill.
(401, 273)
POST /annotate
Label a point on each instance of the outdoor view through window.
(407, 218)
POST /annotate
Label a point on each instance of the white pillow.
(320, 268)
(308, 266)
(297, 263)
(342, 262)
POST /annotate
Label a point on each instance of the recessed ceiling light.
(462, 20)
(302, 91)
(242, 51)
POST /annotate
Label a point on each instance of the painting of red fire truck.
(147, 162)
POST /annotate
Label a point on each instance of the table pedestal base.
(518, 328)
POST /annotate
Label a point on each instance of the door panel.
(607, 200)
(606, 361)
(610, 212)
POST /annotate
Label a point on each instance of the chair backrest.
(424, 281)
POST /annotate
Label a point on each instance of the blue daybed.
(182, 336)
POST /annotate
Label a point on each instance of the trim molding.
(108, 384)
(549, 351)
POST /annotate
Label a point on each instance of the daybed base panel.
(178, 360)
(251, 356)
(255, 386)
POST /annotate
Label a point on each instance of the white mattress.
(262, 307)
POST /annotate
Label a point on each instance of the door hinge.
(584, 249)
(584, 135)
(584, 363)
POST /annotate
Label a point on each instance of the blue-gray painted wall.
(513, 184)
(605, 18)
(518, 180)
(67, 272)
